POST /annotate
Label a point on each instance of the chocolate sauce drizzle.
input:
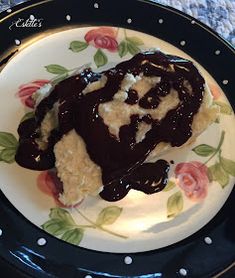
(121, 160)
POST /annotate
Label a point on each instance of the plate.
(140, 228)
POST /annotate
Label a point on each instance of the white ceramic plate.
(139, 222)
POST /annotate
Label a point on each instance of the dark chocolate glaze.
(149, 178)
(132, 97)
(121, 160)
(152, 99)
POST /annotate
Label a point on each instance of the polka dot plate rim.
(129, 22)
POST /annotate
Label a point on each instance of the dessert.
(104, 132)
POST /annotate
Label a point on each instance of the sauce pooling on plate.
(121, 159)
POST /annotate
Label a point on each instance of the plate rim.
(19, 7)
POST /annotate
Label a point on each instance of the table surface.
(218, 14)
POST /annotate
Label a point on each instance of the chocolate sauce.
(151, 99)
(149, 178)
(121, 160)
(132, 97)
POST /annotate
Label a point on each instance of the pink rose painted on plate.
(192, 178)
(215, 91)
(103, 37)
(26, 91)
(49, 183)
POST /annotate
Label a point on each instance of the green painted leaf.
(8, 140)
(204, 150)
(224, 108)
(27, 116)
(100, 58)
(218, 174)
(210, 173)
(56, 69)
(228, 165)
(61, 214)
(170, 185)
(8, 155)
(77, 46)
(135, 40)
(56, 227)
(59, 79)
(133, 49)
(175, 204)
(73, 236)
(108, 215)
(122, 49)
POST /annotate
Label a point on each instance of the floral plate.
(111, 239)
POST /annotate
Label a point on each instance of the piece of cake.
(104, 132)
